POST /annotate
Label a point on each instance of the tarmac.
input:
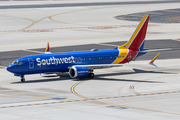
(130, 92)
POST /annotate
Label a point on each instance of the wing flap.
(100, 66)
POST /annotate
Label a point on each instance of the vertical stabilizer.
(47, 51)
(137, 39)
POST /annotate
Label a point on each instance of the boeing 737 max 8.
(82, 63)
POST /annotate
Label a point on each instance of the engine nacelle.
(77, 72)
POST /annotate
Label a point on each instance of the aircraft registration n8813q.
(82, 63)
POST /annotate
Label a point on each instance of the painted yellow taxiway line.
(74, 92)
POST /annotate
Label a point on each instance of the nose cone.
(11, 68)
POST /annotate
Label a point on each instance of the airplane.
(82, 63)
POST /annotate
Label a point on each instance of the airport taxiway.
(130, 92)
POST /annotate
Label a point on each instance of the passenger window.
(75, 60)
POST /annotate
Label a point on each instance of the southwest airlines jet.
(82, 63)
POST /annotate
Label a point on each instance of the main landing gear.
(22, 79)
(91, 75)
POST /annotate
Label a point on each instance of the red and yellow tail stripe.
(47, 47)
(125, 55)
(138, 36)
(129, 50)
(122, 55)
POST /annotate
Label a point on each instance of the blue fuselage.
(61, 62)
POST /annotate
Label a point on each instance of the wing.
(100, 66)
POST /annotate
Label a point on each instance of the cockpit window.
(17, 63)
(20, 63)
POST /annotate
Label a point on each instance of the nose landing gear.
(22, 79)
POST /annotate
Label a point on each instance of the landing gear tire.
(22, 79)
(91, 75)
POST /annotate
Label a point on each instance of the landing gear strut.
(91, 75)
(22, 79)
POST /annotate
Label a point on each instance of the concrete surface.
(130, 92)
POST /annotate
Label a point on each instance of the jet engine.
(77, 72)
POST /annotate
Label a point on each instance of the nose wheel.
(22, 79)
